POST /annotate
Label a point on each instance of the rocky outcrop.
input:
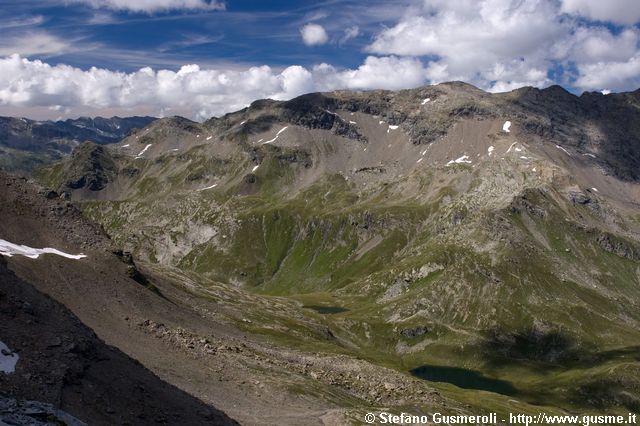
(91, 167)
(34, 413)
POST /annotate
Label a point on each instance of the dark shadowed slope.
(62, 362)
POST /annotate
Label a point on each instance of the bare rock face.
(33, 413)
(415, 331)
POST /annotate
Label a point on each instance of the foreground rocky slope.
(62, 362)
(479, 241)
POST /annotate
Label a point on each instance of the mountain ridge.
(27, 144)
(437, 231)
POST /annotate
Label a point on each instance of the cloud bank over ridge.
(497, 45)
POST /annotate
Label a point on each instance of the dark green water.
(466, 379)
(326, 310)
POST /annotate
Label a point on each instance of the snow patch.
(125, 146)
(243, 122)
(524, 158)
(381, 122)
(512, 145)
(208, 187)
(490, 150)
(8, 359)
(255, 168)
(463, 159)
(590, 155)
(506, 126)
(352, 122)
(533, 170)
(393, 127)
(143, 151)
(209, 138)
(566, 152)
(197, 136)
(277, 134)
(9, 249)
(425, 101)
(419, 160)
(605, 92)
(594, 189)
(518, 150)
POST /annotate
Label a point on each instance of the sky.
(203, 58)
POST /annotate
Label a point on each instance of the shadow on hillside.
(552, 352)
(547, 351)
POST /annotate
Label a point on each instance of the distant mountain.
(27, 144)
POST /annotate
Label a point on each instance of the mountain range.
(27, 144)
(435, 249)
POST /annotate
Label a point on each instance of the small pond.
(326, 310)
(466, 379)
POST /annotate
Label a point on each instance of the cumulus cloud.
(151, 6)
(391, 73)
(610, 75)
(313, 35)
(472, 40)
(624, 12)
(33, 85)
(502, 44)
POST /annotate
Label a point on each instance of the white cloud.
(32, 85)
(502, 44)
(610, 75)
(618, 11)
(151, 6)
(23, 21)
(597, 44)
(313, 35)
(470, 39)
(391, 73)
(349, 33)
(32, 43)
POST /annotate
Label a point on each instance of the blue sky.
(198, 58)
(244, 33)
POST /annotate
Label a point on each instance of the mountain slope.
(484, 240)
(62, 362)
(193, 334)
